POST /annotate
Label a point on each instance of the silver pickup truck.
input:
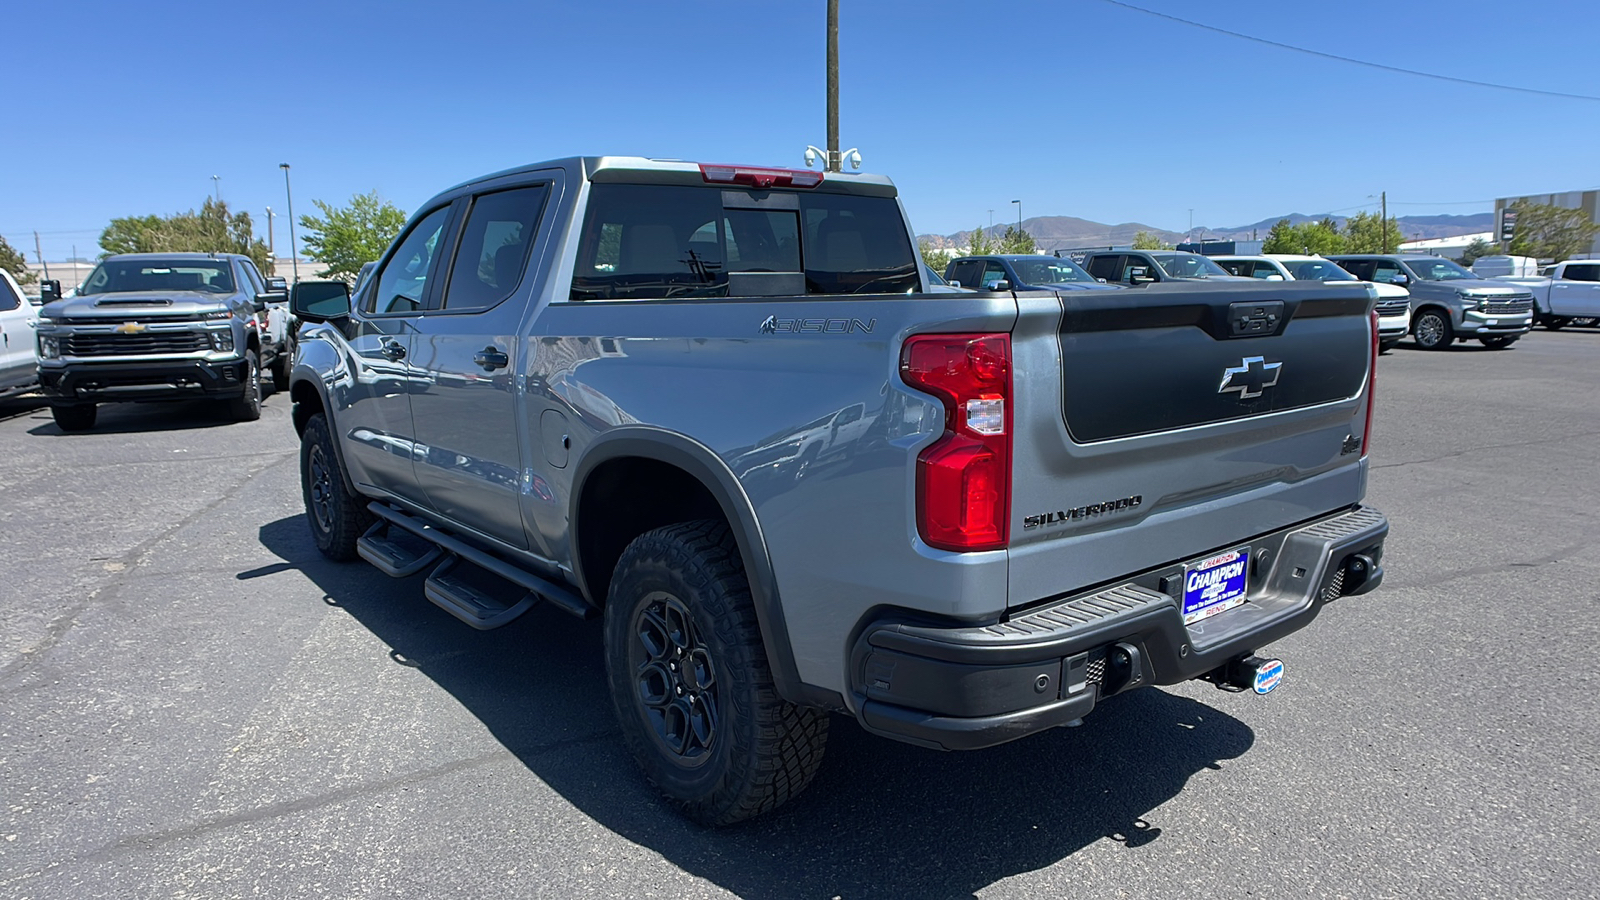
(715, 406)
(163, 326)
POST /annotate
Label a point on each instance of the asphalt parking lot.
(193, 703)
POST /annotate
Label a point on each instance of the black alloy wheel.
(675, 678)
(337, 517)
(691, 684)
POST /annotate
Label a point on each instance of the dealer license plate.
(1216, 584)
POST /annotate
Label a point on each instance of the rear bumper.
(960, 687)
(152, 380)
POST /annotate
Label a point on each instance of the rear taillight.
(964, 477)
(757, 177)
(1372, 383)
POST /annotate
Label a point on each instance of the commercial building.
(1588, 201)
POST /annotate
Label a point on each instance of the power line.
(1347, 59)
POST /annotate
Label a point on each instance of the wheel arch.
(594, 550)
(307, 396)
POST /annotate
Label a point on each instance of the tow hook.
(1247, 673)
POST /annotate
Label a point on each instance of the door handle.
(491, 358)
(392, 351)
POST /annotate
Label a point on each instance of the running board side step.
(390, 557)
(539, 588)
(475, 607)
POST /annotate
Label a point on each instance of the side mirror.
(49, 289)
(1000, 285)
(953, 283)
(1273, 277)
(1400, 278)
(1139, 275)
(269, 296)
(1101, 280)
(278, 284)
(320, 301)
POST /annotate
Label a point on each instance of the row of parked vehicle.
(1433, 299)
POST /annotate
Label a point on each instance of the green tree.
(1146, 240)
(933, 257)
(1478, 249)
(1320, 238)
(1016, 240)
(211, 230)
(981, 243)
(11, 260)
(1368, 233)
(344, 237)
(1545, 231)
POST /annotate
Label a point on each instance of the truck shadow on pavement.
(882, 819)
(142, 418)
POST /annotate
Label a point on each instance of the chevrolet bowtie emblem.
(1252, 376)
(130, 328)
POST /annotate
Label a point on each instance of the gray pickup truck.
(163, 326)
(714, 406)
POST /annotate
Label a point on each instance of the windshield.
(1438, 270)
(121, 276)
(1187, 265)
(1048, 270)
(1317, 270)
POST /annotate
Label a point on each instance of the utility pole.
(40, 253)
(1383, 225)
(294, 253)
(270, 252)
(835, 164)
(1019, 216)
(991, 220)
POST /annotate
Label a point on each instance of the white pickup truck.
(1568, 293)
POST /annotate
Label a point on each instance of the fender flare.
(303, 374)
(700, 462)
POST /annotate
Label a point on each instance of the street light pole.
(270, 251)
(216, 183)
(294, 252)
(1019, 216)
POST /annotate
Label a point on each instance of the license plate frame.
(1215, 584)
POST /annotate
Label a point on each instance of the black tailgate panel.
(1157, 358)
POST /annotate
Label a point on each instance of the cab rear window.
(651, 241)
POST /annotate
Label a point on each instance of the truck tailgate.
(1162, 423)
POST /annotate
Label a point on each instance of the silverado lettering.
(1093, 509)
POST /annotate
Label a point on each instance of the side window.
(494, 247)
(401, 282)
(1583, 273)
(966, 273)
(992, 272)
(1384, 271)
(250, 280)
(1360, 268)
(8, 297)
(1236, 266)
(1106, 267)
(1264, 270)
(1129, 263)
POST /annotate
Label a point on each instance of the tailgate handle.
(1251, 319)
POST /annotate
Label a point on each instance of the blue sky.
(1074, 107)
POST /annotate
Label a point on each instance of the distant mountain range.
(1053, 232)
